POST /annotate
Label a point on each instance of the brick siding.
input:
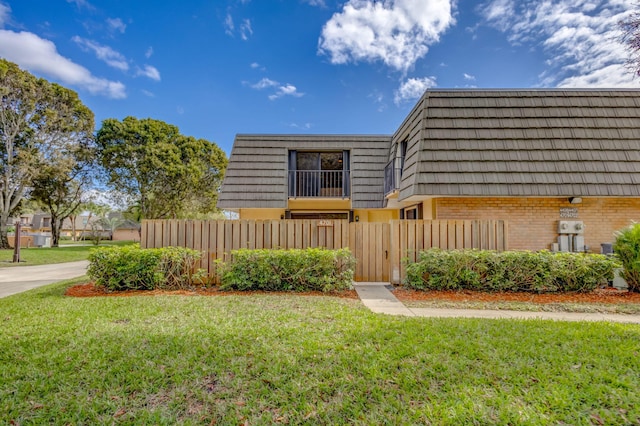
(533, 222)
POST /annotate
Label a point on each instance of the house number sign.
(325, 223)
(569, 213)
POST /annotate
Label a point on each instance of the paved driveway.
(17, 279)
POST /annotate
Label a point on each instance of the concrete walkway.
(378, 298)
(17, 279)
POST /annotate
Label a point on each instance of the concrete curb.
(377, 297)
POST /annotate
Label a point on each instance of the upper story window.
(319, 174)
(395, 167)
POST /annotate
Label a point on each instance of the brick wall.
(533, 222)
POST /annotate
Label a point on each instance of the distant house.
(40, 223)
(561, 166)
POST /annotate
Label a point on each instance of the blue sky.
(216, 68)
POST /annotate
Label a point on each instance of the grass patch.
(266, 359)
(47, 255)
(604, 308)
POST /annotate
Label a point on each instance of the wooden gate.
(379, 248)
(369, 243)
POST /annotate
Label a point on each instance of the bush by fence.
(627, 248)
(133, 268)
(509, 271)
(288, 270)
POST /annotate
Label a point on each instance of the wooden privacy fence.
(379, 248)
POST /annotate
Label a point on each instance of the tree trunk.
(4, 240)
(73, 218)
(56, 224)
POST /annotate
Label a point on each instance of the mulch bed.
(598, 296)
(90, 290)
(612, 296)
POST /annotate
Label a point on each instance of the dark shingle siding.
(523, 143)
(257, 173)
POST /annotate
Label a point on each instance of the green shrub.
(627, 248)
(538, 272)
(132, 268)
(288, 270)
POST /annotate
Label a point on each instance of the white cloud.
(41, 56)
(5, 12)
(286, 90)
(500, 13)
(579, 37)
(116, 24)
(413, 88)
(148, 93)
(104, 53)
(281, 89)
(149, 52)
(319, 3)
(469, 77)
(150, 72)
(255, 65)
(396, 32)
(264, 83)
(81, 4)
(378, 98)
(245, 29)
(228, 25)
(305, 126)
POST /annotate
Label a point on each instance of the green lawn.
(266, 359)
(43, 256)
(603, 308)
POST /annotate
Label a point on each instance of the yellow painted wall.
(429, 209)
(376, 215)
(261, 214)
(319, 205)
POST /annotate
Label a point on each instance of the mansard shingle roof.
(257, 173)
(522, 143)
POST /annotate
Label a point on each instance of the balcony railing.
(392, 175)
(319, 183)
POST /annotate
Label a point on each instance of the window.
(412, 213)
(393, 169)
(318, 174)
(403, 154)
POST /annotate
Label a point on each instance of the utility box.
(571, 227)
(563, 243)
(42, 241)
(578, 243)
(619, 282)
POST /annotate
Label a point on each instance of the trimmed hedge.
(627, 248)
(312, 269)
(133, 268)
(484, 270)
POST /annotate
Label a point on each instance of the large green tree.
(41, 124)
(164, 173)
